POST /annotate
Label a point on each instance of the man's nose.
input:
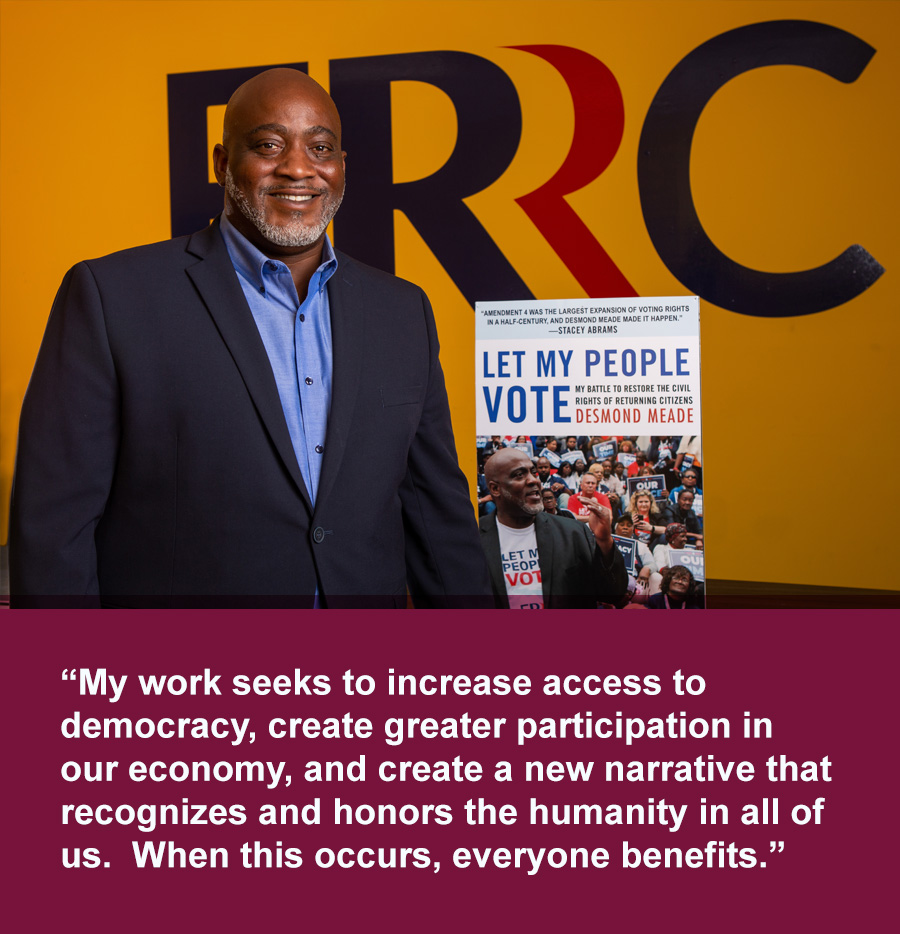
(296, 162)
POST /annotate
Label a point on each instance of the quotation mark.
(775, 846)
(69, 674)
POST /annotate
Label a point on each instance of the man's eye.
(267, 146)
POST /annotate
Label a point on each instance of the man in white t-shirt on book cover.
(538, 561)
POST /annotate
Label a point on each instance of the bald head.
(272, 87)
(503, 461)
(280, 163)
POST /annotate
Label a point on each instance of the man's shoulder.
(487, 523)
(161, 253)
(353, 271)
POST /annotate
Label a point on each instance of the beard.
(295, 233)
(520, 504)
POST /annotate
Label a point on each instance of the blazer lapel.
(218, 285)
(348, 341)
(490, 540)
(544, 539)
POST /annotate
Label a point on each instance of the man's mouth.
(283, 196)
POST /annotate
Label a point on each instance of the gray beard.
(298, 233)
(528, 510)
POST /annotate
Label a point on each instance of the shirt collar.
(251, 262)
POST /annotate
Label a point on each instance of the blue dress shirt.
(297, 337)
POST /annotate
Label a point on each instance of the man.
(640, 458)
(549, 478)
(199, 407)
(545, 472)
(689, 482)
(610, 480)
(538, 561)
(579, 506)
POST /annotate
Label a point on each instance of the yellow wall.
(789, 167)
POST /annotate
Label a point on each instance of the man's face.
(282, 165)
(588, 484)
(543, 469)
(549, 501)
(606, 467)
(516, 488)
(690, 479)
(685, 500)
(571, 443)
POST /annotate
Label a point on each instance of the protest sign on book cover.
(655, 484)
(609, 387)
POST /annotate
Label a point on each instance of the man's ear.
(220, 163)
(493, 487)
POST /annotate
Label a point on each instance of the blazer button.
(319, 535)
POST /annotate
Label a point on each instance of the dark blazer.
(574, 572)
(155, 465)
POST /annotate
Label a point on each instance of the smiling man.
(542, 561)
(199, 407)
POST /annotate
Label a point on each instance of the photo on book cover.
(591, 403)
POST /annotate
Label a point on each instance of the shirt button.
(262, 289)
(271, 266)
(302, 317)
(319, 449)
(309, 381)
